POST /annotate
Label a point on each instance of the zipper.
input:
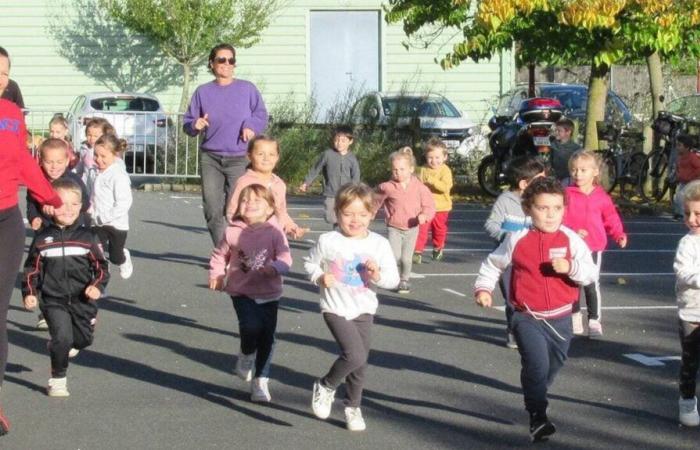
(63, 261)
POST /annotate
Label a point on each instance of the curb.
(170, 187)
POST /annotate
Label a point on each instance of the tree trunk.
(185, 96)
(597, 94)
(531, 80)
(656, 81)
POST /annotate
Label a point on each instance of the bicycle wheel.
(608, 172)
(629, 181)
(490, 178)
(653, 179)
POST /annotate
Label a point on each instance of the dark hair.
(113, 143)
(350, 192)
(67, 184)
(565, 123)
(344, 130)
(538, 186)
(215, 49)
(524, 168)
(259, 190)
(687, 140)
(4, 53)
(262, 137)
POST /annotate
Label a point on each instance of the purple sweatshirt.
(231, 108)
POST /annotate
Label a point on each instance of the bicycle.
(620, 167)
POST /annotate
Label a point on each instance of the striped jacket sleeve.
(496, 263)
(32, 271)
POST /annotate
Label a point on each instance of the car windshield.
(686, 106)
(571, 99)
(124, 104)
(424, 107)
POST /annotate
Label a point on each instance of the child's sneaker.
(417, 258)
(41, 323)
(354, 420)
(73, 352)
(577, 323)
(404, 287)
(4, 423)
(595, 329)
(322, 400)
(260, 391)
(540, 427)
(58, 387)
(244, 366)
(437, 254)
(126, 268)
(511, 342)
(688, 412)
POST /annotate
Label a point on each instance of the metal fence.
(156, 144)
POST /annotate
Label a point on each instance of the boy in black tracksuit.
(65, 273)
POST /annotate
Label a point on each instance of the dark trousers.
(12, 241)
(257, 324)
(71, 325)
(113, 242)
(591, 293)
(504, 285)
(353, 337)
(219, 176)
(690, 358)
(542, 354)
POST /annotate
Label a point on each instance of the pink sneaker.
(595, 329)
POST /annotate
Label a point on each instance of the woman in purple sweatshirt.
(227, 113)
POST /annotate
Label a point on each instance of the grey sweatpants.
(353, 337)
(403, 242)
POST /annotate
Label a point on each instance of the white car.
(433, 115)
(137, 118)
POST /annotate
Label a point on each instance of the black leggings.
(690, 357)
(113, 242)
(12, 239)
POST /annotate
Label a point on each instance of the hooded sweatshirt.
(687, 268)
(594, 212)
(507, 216)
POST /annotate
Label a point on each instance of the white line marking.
(626, 250)
(604, 274)
(179, 197)
(416, 275)
(459, 294)
(651, 361)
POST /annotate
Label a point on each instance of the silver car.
(430, 114)
(137, 118)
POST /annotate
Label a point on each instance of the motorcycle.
(527, 133)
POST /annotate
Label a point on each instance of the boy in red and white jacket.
(548, 261)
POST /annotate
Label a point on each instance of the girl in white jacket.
(111, 200)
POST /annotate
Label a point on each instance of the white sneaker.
(73, 352)
(126, 268)
(41, 324)
(322, 400)
(58, 387)
(260, 391)
(354, 420)
(244, 366)
(595, 329)
(577, 323)
(688, 412)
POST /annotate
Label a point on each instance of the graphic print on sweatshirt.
(255, 261)
(350, 272)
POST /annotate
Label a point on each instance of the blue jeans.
(219, 175)
(257, 324)
(542, 354)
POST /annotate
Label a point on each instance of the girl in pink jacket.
(592, 214)
(248, 264)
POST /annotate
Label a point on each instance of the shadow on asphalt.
(188, 228)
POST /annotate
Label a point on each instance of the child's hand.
(582, 233)
(48, 210)
(36, 223)
(561, 265)
(373, 270)
(30, 302)
(92, 293)
(268, 271)
(326, 280)
(247, 134)
(217, 283)
(297, 232)
(622, 242)
(201, 123)
(422, 218)
(303, 187)
(483, 299)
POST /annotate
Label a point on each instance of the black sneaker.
(541, 428)
(437, 254)
(404, 287)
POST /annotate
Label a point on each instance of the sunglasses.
(222, 60)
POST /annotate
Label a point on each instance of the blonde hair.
(405, 153)
(102, 124)
(52, 143)
(691, 192)
(594, 157)
(350, 192)
(260, 191)
(434, 144)
(66, 184)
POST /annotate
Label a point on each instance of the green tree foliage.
(186, 30)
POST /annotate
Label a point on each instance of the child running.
(339, 166)
(264, 153)
(65, 273)
(507, 216)
(86, 167)
(547, 261)
(407, 203)
(248, 264)
(592, 214)
(348, 265)
(111, 200)
(437, 176)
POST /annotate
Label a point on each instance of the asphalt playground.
(159, 373)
